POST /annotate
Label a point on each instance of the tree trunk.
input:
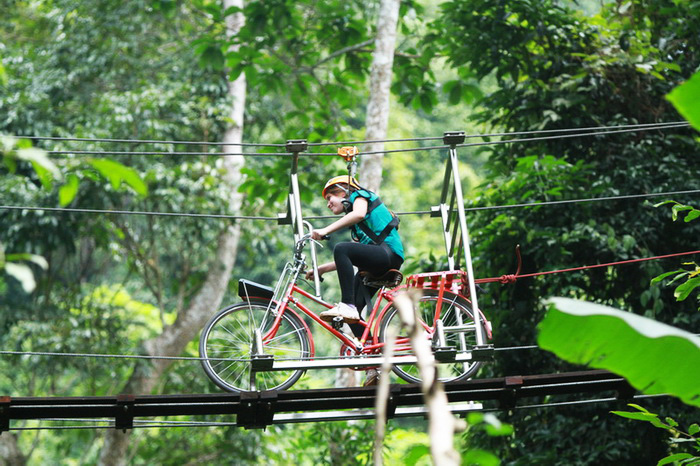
(10, 455)
(380, 88)
(174, 338)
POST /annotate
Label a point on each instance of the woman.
(376, 248)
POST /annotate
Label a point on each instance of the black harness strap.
(377, 239)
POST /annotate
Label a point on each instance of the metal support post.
(452, 139)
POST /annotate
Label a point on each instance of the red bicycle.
(267, 328)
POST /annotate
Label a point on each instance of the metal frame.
(260, 409)
(293, 216)
(454, 229)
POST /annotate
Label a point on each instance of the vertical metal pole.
(443, 211)
(295, 147)
(452, 139)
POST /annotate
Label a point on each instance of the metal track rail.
(260, 409)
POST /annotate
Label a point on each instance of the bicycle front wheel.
(460, 334)
(227, 343)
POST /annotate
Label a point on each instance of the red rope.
(513, 278)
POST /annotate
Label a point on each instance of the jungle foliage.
(156, 70)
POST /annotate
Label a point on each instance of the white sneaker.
(347, 311)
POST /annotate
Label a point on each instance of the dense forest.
(110, 107)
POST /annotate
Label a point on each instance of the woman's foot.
(348, 312)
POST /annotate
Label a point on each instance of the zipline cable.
(636, 128)
(337, 143)
(150, 141)
(325, 217)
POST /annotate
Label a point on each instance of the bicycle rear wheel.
(460, 334)
(227, 342)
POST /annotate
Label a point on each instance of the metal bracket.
(5, 402)
(124, 418)
(259, 360)
(625, 392)
(443, 353)
(483, 353)
(392, 401)
(257, 409)
(452, 138)
(510, 392)
(296, 145)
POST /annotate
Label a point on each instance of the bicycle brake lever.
(321, 245)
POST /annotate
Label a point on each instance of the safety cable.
(522, 140)
(135, 212)
(358, 142)
(150, 141)
(631, 128)
(325, 217)
(217, 154)
(510, 133)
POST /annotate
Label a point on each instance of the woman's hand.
(319, 234)
(323, 268)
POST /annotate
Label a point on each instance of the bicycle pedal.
(337, 322)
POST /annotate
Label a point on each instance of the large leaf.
(686, 97)
(117, 173)
(654, 358)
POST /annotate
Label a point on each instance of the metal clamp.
(452, 138)
(124, 418)
(297, 145)
(257, 409)
(5, 402)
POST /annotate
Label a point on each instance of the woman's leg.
(369, 257)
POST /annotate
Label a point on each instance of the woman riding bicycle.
(376, 246)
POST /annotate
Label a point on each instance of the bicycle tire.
(227, 340)
(447, 372)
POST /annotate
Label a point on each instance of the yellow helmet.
(345, 179)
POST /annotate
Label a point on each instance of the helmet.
(345, 179)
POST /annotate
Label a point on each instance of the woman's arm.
(323, 268)
(359, 210)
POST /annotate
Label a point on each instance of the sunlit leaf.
(36, 259)
(683, 290)
(655, 358)
(68, 191)
(39, 158)
(23, 274)
(117, 173)
(685, 98)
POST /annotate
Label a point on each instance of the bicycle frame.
(286, 295)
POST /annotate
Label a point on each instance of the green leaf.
(685, 98)
(673, 458)
(655, 358)
(117, 173)
(694, 429)
(212, 58)
(38, 158)
(648, 417)
(68, 191)
(480, 457)
(692, 216)
(665, 275)
(45, 176)
(682, 291)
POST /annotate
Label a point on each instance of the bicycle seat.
(391, 279)
(248, 290)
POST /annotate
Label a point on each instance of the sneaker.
(347, 312)
(371, 377)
